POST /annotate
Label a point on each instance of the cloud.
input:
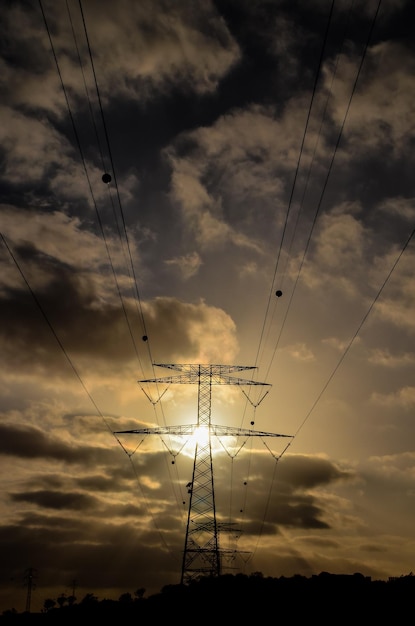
(70, 308)
(371, 121)
(56, 500)
(339, 344)
(32, 147)
(300, 351)
(193, 332)
(226, 179)
(400, 207)
(307, 472)
(385, 358)
(404, 398)
(166, 47)
(188, 266)
(28, 442)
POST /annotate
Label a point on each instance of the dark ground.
(330, 599)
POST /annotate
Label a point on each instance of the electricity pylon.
(202, 553)
(30, 583)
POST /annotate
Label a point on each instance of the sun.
(200, 436)
(199, 439)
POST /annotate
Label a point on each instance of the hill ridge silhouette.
(332, 598)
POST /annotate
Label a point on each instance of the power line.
(145, 337)
(359, 328)
(51, 328)
(75, 371)
(115, 176)
(325, 183)
(319, 206)
(317, 75)
(310, 236)
(88, 180)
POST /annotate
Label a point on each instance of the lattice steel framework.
(202, 552)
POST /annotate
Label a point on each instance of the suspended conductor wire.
(138, 298)
(359, 328)
(88, 180)
(323, 118)
(174, 455)
(96, 209)
(45, 317)
(86, 90)
(156, 526)
(78, 376)
(317, 75)
(325, 184)
(340, 134)
(288, 212)
(114, 172)
(104, 168)
(306, 249)
(141, 314)
(259, 536)
(87, 175)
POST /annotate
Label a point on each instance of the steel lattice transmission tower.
(202, 552)
(30, 583)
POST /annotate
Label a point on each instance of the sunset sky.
(253, 147)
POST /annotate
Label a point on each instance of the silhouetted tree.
(48, 605)
(61, 599)
(90, 598)
(239, 597)
(139, 593)
(126, 598)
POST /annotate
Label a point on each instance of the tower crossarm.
(190, 429)
(196, 368)
(223, 431)
(186, 430)
(216, 374)
(216, 379)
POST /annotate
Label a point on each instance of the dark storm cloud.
(99, 482)
(76, 501)
(65, 481)
(98, 553)
(28, 442)
(72, 501)
(302, 512)
(305, 472)
(73, 317)
(294, 473)
(290, 510)
(189, 330)
(371, 547)
(293, 494)
(297, 511)
(320, 542)
(68, 312)
(46, 485)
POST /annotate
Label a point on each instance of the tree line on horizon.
(236, 595)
